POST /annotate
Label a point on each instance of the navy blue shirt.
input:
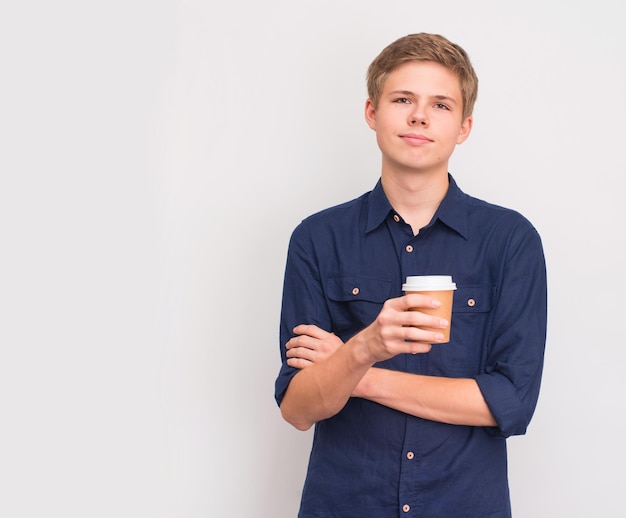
(373, 461)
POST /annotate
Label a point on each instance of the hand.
(395, 330)
(312, 345)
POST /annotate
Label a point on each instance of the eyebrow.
(439, 97)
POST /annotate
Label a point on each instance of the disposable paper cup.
(439, 287)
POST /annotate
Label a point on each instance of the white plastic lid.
(429, 283)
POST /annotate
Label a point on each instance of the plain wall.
(156, 157)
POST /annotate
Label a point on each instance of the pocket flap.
(354, 287)
(473, 299)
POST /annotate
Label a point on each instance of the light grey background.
(156, 157)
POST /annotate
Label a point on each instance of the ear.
(466, 128)
(370, 114)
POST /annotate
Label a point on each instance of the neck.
(415, 198)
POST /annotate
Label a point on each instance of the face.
(419, 118)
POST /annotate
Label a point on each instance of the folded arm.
(448, 400)
(330, 372)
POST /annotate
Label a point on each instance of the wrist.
(361, 390)
(360, 355)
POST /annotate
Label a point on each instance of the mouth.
(415, 139)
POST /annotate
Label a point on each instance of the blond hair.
(424, 47)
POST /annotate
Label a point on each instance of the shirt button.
(410, 455)
(471, 303)
(355, 291)
(409, 248)
(396, 218)
(406, 508)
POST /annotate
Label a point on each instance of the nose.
(418, 116)
(415, 119)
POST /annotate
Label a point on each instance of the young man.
(405, 426)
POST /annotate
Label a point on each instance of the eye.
(441, 106)
(402, 100)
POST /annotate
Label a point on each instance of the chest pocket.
(473, 299)
(355, 301)
(471, 311)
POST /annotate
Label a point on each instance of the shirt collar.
(452, 211)
(378, 207)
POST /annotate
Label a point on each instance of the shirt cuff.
(504, 403)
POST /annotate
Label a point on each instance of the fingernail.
(443, 323)
(436, 303)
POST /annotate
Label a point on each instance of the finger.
(293, 342)
(299, 363)
(417, 300)
(303, 341)
(412, 300)
(419, 319)
(419, 335)
(390, 318)
(304, 353)
(298, 352)
(311, 330)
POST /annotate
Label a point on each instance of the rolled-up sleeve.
(303, 299)
(511, 381)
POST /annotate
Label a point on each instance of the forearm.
(322, 390)
(328, 379)
(447, 400)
